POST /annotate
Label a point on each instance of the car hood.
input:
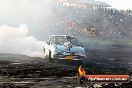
(73, 49)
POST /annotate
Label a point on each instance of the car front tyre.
(50, 59)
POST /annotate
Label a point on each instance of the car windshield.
(58, 40)
(61, 40)
(73, 41)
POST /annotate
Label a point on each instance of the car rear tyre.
(44, 52)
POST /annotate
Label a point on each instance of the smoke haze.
(17, 40)
(41, 21)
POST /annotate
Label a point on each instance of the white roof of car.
(60, 35)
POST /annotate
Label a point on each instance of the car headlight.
(59, 52)
(80, 53)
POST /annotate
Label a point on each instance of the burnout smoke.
(16, 40)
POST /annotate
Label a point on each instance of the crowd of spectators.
(97, 22)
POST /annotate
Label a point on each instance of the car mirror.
(48, 42)
(81, 44)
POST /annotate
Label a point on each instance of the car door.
(48, 46)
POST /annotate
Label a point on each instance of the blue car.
(64, 49)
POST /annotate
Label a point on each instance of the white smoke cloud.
(16, 40)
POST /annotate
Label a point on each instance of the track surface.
(42, 74)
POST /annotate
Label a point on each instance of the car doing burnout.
(64, 49)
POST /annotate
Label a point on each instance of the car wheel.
(50, 59)
(44, 52)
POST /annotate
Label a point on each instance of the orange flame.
(81, 71)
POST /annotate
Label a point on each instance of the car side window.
(50, 40)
